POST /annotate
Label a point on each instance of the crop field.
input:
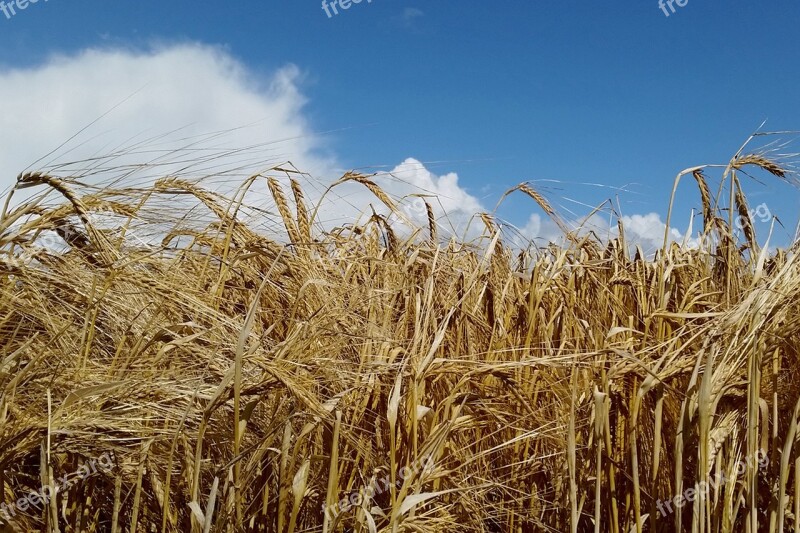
(169, 366)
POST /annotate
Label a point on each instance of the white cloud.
(444, 193)
(646, 231)
(198, 90)
(540, 229)
(452, 198)
(194, 88)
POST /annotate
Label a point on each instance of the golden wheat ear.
(29, 179)
(432, 231)
(705, 198)
(283, 209)
(540, 201)
(762, 162)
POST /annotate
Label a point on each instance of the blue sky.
(612, 93)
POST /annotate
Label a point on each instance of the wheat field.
(214, 377)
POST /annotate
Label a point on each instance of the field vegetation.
(365, 379)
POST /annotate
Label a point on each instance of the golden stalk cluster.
(248, 384)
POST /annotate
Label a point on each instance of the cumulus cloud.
(190, 90)
(645, 231)
(451, 203)
(648, 230)
(540, 229)
(194, 110)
